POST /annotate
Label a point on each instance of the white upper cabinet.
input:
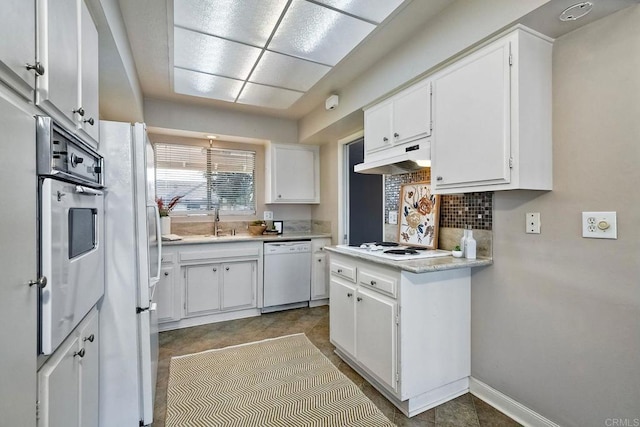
(67, 48)
(292, 174)
(17, 49)
(492, 118)
(403, 118)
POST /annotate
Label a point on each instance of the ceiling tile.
(205, 85)
(285, 71)
(267, 96)
(372, 10)
(318, 34)
(213, 55)
(247, 21)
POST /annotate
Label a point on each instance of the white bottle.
(463, 241)
(470, 246)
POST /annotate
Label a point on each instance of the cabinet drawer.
(344, 271)
(168, 258)
(383, 284)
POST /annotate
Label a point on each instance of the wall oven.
(71, 231)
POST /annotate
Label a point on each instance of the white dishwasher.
(287, 275)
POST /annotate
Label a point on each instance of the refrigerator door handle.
(159, 240)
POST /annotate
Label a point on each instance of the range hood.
(396, 160)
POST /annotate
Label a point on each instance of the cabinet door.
(376, 330)
(168, 306)
(18, 47)
(88, 92)
(319, 289)
(202, 288)
(377, 127)
(412, 114)
(59, 387)
(342, 316)
(295, 174)
(471, 141)
(239, 284)
(89, 371)
(57, 51)
(18, 301)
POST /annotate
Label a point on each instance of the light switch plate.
(532, 223)
(268, 215)
(599, 225)
(393, 217)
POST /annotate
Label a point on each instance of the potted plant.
(457, 252)
(165, 220)
(257, 227)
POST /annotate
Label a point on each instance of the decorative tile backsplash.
(472, 210)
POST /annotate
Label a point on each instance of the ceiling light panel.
(247, 21)
(372, 10)
(267, 96)
(213, 55)
(205, 85)
(317, 33)
(285, 71)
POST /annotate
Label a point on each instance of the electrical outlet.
(533, 223)
(268, 215)
(393, 217)
(599, 225)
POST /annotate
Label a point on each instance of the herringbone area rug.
(283, 381)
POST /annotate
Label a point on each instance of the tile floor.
(465, 411)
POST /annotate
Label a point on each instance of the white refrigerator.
(128, 322)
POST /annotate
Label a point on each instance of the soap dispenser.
(470, 246)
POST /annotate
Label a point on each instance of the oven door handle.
(86, 191)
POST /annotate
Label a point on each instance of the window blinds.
(206, 178)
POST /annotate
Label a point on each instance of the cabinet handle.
(396, 135)
(79, 353)
(215, 269)
(166, 273)
(385, 139)
(90, 338)
(37, 67)
(319, 260)
(89, 120)
(439, 178)
(40, 283)
(349, 294)
(227, 268)
(359, 299)
(80, 111)
(373, 283)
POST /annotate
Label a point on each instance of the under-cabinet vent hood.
(396, 160)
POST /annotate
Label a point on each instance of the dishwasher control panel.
(287, 247)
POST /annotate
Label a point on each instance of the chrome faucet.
(216, 220)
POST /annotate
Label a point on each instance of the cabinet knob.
(439, 178)
(349, 294)
(373, 283)
(227, 268)
(396, 135)
(79, 353)
(385, 139)
(40, 283)
(215, 269)
(358, 299)
(80, 111)
(37, 67)
(90, 338)
(339, 270)
(166, 273)
(279, 196)
(89, 120)
(319, 260)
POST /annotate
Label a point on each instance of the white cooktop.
(378, 251)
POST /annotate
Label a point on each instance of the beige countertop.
(202, 239)
(417, 265)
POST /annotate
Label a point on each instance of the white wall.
(556, 319)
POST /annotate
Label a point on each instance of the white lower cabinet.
(202, 286)
(407, 334)
(68, 381)
(167, 297)
(319, 269)
(239, 285)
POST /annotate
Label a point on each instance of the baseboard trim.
(508, 406)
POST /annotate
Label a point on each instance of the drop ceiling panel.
(317, 33)
(247, 21)
(267, 96)
(285, 71)
(213, 55)
(372, 10)
(205, 85)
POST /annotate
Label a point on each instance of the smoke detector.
(577, 11)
